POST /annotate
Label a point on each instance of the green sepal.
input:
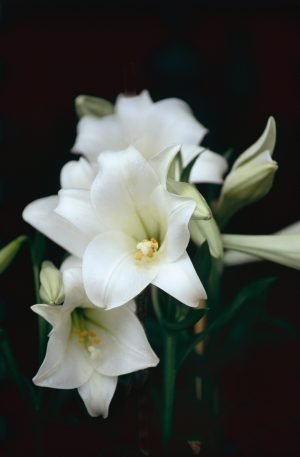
(85, 105)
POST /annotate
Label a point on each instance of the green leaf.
(185, 174)
(9, 252)
(256, 290)
(85, 105)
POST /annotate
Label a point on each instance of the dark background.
(235, 66)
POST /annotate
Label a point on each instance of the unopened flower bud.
(251, 176)
(51, 290)
(86, 105)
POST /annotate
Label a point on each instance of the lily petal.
(74, 205)
(180, 280)
(40, 214)
(73, 370)
(178, 235)
(78, 174)
(98, 134)
(97, 393)
(125, 181)
(171, 122)
(124, 347)
(116, 278)
(209, 167)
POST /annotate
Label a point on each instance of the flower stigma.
(85, 337)
(146, 248)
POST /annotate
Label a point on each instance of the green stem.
(24, 389)
(169, 380)
(42, 324)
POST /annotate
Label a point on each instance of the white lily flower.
(282, 247)
(128, 230)
(89, 347)
(150, 128)
(251, 176)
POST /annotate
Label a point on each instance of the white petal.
(124, 347)
(111, 275)
(40, 214)
(56, 348)
(74, 368)
(131, 109)
(265, 142)
(162, 161)
(74, 205)
(71, 262)
(189, 152)
(75, 295)
(209, 167)
(178, 235)
(121, 188)
(95, 135)
(78, 174)
(50, 313)
(97, 393)
(180, 280)
(171, 122)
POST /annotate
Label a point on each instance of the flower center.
(146, 248)
(85, 337)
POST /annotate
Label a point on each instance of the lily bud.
(86, 105)
(51, 290)
(202, 210)
(283, 248)
(251, 176)
(8, 253)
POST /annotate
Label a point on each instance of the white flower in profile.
(127, 228)
(149, 127)
(90, 347)
(282, 247)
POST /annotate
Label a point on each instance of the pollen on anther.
(76, 330)
(97, 340)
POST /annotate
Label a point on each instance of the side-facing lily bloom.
(128, 230)
(89, 347)
(282, 247)
(150, 127)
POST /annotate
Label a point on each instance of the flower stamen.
(146, 248)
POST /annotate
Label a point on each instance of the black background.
(235, 66)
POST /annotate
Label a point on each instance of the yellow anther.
(84, 333)
(80, 340)
(138, 255)
(150, 252)
(92, 333)
(76, 330)
(97, 340)
(146, 248)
